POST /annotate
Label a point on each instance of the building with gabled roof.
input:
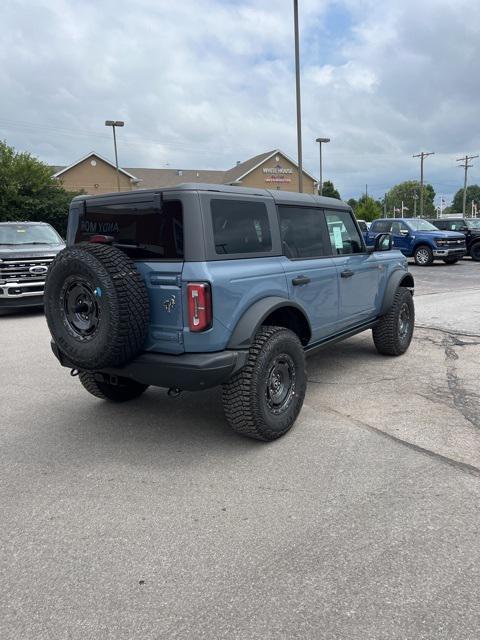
(94, 174)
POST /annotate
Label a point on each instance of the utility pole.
(113, 124)
(297, 83)
(466, 166)
(320, 186)
(366, 192)
(385, 206)
(422, 157)
(415, 198)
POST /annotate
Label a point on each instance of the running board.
(313, 348)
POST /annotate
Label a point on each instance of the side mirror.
(404, 232)
(383, 242)
(463, 229)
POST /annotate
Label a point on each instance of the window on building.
(344, 235)
(240, 227)
(301, 231)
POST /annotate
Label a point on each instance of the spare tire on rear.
(96, 304)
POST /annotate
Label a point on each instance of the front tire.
(393, 333)
(423, 256)
(263, 399)
(124, 390)
(475, 252)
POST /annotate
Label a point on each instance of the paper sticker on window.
(337, 238)
(21, 230)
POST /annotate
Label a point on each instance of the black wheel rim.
(280, 387)
(81, 311)
(404, 321)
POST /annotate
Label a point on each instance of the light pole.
(297, 84)
(320, 186)
(113, 124)
(422, 157)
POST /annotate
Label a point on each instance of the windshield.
(417, 224)
(17, 234)
(473, 224)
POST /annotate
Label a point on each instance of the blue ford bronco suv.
(419, 239)
(195, 286)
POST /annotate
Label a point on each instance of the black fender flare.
(399, 278)
(253, 318)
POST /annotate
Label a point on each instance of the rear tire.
(263, 399)
(475, 252)
(451, 260)
(394, 332)
(123, 391)
(423, 256)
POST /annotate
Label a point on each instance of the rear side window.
(344, 235)
(381, 226)
(140, 229)
(240, 227)
(454, 225)
(301, 231)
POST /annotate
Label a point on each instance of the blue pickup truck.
(419, 239)
(194, 286)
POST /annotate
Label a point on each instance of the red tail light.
(199, 306)
(98, 239)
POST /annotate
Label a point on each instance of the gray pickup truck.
(26, 251)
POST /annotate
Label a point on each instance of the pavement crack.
(465, 402)
(463, 466)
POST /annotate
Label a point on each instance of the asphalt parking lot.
(152, 520)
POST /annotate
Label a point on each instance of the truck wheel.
(451, 260)
(264, 398)
(475, 251)
(96, 304)
(124, 390)
(393, 334)
(423, 256)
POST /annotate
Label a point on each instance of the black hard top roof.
(281, 197)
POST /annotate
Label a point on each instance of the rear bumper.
(188, 371)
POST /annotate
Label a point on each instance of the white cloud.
(206, 83)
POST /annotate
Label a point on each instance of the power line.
(422, 157)
(466, 166)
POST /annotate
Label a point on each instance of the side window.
(440, 224)
(398, 227)
(240, 227)
(301, 232)
(455, 225)
(344, 236)
(381, 226)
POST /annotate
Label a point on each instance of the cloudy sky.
(204, 83)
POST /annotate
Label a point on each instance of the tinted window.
(454, 225)
(363, 225)
(240, 227)
(344, 236)
(381, 226)
(440, 224)
(398, 227)
(301, 231)
(138, 228)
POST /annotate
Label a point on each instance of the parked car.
(470, 227)
(363, 225)
(196, 286)
(419, 239)
(26, 251)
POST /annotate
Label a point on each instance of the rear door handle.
(300, 280)
(347, 273)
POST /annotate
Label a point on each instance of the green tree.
(352, 203)
(28, 191)
(329, 190)
(368, 209)
(473, 193)
(408, 192)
